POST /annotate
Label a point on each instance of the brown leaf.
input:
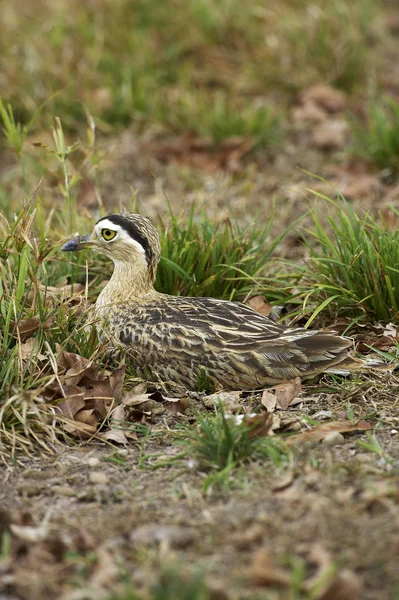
(331, 135)
(116, 433)
(116, 380)
(25, 328)
(68, 407)
(325, 96)
(203, 153)
(345, 586)
(88, 394)
(265, 572)
(259, 425)
(282, 395)
(261, 306)
(77, 429)
(30, 349)
(308, 113)
(320, 431)
(286, 393)
(269, 400)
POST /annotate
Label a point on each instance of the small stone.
(98, 477)
(334, 438)
(93, 461)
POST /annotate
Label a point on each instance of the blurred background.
(224, 104)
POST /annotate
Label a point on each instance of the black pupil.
(107, 233)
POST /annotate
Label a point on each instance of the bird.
(182, 339)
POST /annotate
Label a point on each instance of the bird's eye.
(108, 234)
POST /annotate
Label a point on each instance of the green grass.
(185, 64)
(377, 139)
(221, 442)
(353, 265)
(171, 584)
(230, 260)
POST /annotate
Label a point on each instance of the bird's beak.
(77, 243)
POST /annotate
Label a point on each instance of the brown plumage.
(178, 339)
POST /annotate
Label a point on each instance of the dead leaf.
(319, 432)
(107, 569)
(324, 96)
(309, 113)
(29, 533)
(361, 187)
(30, 349)
(284, 482)
(331, 135)
(282, 395)
(286, 393)
(203, 153)
(269, 400)
(25, 328)
(345, 586)
(319, 556)
(87, 393)
(69, 406)
(118, 432)
(259, 304)
(259, 425)
(265, 572)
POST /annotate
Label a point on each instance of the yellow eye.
(108, 234)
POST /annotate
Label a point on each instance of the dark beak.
(76, 244)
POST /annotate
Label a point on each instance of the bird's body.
(181, 339)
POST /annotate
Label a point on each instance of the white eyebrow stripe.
(122, 234)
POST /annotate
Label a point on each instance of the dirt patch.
(96, 518)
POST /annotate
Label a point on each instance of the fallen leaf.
(107, 571)
(331, 135)
(25, 328)
(88, 394)
(282, 395)
(69, 406)
(259, 425)
(203, 153)
(30, 534)
(345, 586)
(286, 393)
(265, 572)
(319, 432)
(259, 304)
(324, 96)
(269, 400)
(361, 187)
(309, 113)
(30, 349)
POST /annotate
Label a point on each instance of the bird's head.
(124, 238)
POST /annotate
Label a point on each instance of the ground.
(93, 518)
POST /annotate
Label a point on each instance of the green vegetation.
(222, 442)
(378, 139)
(353, 267)
(230, 259)
(192, 64)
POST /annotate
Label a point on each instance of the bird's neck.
(128, 282)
